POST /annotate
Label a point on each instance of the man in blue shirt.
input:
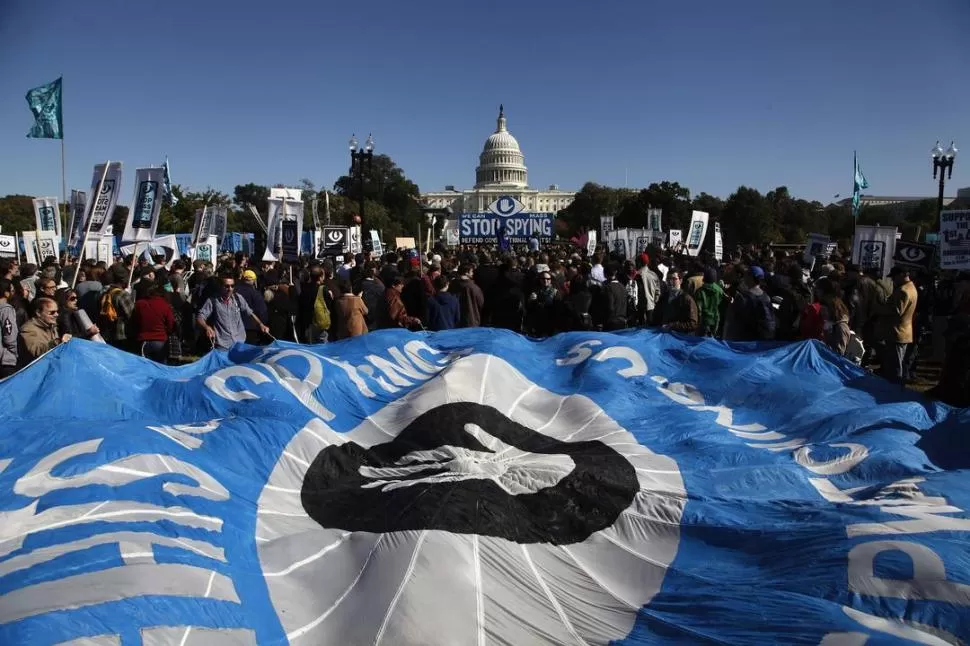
(221, 317)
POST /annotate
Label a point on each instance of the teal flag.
(859, 182)
(45, 104)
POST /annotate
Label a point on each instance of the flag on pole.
(45, 104)
(168, 197)
(859, 182)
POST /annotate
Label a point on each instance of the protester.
(677, 310)
(444, 310)
(397, 314)
(469, 296)
(221, 317)
(9, 330)
(40, 335)
(69, 320)
(247, 290)
(153, 321)
(710, 301)
(353, 311)
(898, 325)
(116, 307)
(751, 316)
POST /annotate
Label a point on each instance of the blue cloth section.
(700, 492)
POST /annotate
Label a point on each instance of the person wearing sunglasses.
(72, 320)
(40, 335)
(221, 317)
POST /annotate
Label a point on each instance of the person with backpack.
(751, 316)
(221, 317)
(116, 308)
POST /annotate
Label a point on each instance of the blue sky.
(709, 93)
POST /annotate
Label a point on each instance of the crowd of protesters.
(173, 312)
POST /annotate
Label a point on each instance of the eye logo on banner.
(506, 206)
(7, 246)
(471, 477)
(147, 192)
(334, 240)
(873, 255)
(48, 218)
(914, 254)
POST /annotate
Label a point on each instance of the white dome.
(501, 162)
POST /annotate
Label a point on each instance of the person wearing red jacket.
(154, 321)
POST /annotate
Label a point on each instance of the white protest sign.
(47, 216)
(955, 240)
(816, 245)
(590, 243)
(696, 233)
(873, 248)
(718, 242)
(676, 236)
(8, 246)
(375, 242)
(606, 224)
(48, 246)
(104, 251)
(205, 251)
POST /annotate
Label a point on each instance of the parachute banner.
(476, 487)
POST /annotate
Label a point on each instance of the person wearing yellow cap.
(246, 289)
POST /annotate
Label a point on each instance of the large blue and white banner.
(476, 487)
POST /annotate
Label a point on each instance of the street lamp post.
(357, 158)
(942, 162)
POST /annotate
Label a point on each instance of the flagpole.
(63, 187)
(87, 229)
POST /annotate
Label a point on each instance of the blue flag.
(859, 182)
(45, 104)
(479, 487)
(168, 196)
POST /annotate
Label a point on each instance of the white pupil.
(515, 471)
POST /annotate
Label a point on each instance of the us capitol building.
(501, 172)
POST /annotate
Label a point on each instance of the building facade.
(501, 172)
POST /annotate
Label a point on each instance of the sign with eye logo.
(335, 241)
(914, 254)
(873, 248)
(506, 214)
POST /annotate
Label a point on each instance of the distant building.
(501, 172)
(887, 200)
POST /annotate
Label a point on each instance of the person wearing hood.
(710, 301)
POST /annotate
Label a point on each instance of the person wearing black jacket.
(246, 289)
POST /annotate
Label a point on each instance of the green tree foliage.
(16, 213)
(385, 184)
(746, 217)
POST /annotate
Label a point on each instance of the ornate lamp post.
(357, 158)
(942, 162)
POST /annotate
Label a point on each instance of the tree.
(674, 199)
(17, 213)
(181, 218)
(748, 219)
(253, 194)
(386, 184)
(590, 203)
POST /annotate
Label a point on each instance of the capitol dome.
(501, 162)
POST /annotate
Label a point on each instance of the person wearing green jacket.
(709, 298)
